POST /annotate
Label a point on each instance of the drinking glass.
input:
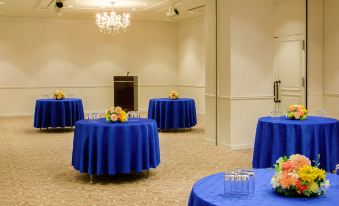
(251, 179)
(89, 116)
(133, 114)
(70, 95)
(228, 182)
(276, 113)
(321, 113)
(244, 182)
(240, 181)
(336, 178)
(96, 115)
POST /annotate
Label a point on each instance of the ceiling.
(143, 10)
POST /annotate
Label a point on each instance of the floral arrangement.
(294, 176)
(298, 112)
(116, 114)
(173, 95)
(58, 94)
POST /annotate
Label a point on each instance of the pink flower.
(299, 161)
(114, 117)
(296, 115)
(117, 110)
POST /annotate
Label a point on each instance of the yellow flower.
(309, 174)
(314, 187)
(108, 116)
(123, 116)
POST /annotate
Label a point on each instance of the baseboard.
(16, 115)
(210, 140)
(102, 111)
(237, 146)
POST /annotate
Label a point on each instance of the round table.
(173, 114)
(209, 191)
(100, 147)
(57, 113)
(279, 136)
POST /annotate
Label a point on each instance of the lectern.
(126, 92)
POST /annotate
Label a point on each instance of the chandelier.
(112, 23)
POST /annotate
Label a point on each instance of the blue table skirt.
(209, 191)
(57, 113)
(101, 148)
(278, 136)
(173, 114)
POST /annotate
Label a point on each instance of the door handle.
(276, 91)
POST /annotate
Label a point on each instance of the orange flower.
(286, 180)
(287, 165)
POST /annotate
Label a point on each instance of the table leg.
(47, 128)
(147, 174)
(40, 128)
(91, 178)
(190, 128)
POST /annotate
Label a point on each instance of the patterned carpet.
(36, 169)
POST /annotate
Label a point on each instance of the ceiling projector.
(172, 12)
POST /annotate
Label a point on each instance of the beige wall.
(38, 56)
(252, 71)
(289, 17)
(315, 54)
(191, 60)
(245, 69)
(331, 53)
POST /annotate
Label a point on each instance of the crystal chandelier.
(112, 23)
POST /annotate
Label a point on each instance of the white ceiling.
(145, 10)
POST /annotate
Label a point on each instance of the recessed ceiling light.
(2, 3)
(134, 9)
(70, 6)
(144, 4)
(59, 14)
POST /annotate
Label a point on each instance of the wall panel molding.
(244, 97)
(93, 86)
(330, 94)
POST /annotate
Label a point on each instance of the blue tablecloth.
(209, 191)
(57, 113)
(278, 136)
(173, 114)
(100, 147)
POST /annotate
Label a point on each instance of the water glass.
(228, 182)
(321, 113)
(70, 95)
(336, 178)
(251, 179)
(96, 115)
(133, 114)
(244, 182)
(276, 113)
(89, 116)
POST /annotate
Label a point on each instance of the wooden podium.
(126, 92)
